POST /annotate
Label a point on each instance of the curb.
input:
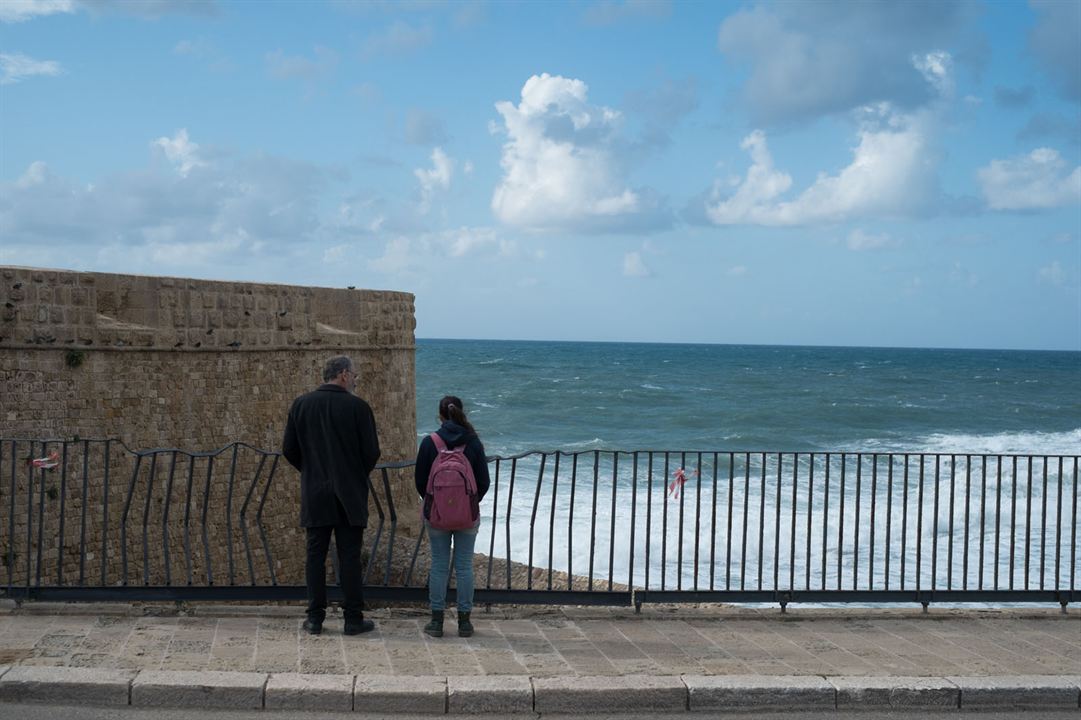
(510, 694)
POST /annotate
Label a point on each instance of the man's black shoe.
(313, 627)
(359, 626)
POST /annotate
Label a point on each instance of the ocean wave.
(647, 386)
(1024, 443)
(493, 361)
(595, 442)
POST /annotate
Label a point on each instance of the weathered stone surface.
(1018, 691)
(66, 686)
(912, 692)
(392, 694)
(296, 691)
(610, 694)
(203, 689)
(489, 694)
(775, 692)
(154, 362)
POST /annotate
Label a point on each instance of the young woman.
(455, 430)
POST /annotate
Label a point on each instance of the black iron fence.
(92, 519)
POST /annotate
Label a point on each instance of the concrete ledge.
(4, 669)
(904, 692)
(608, 694)
(489, 694)
(206, 689)
(394, 693)
(1018, 691)
(70, 686)
(774, 692)
(294, 691)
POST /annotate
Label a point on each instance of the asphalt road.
(9, 711)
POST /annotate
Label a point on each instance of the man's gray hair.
(336, 366)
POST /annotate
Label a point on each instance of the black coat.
(330, 438)
(453, 435)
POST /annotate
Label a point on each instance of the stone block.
(609, 694)
(1018, 691)
(198, 689)
(504, 694)
(295, 691)
(759, 692)
(885, 692)
(66, 686)
(394, 694)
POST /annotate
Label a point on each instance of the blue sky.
(827, 173)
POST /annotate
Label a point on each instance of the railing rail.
(595, 526)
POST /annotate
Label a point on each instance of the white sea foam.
(1028, 443)
(861, 532)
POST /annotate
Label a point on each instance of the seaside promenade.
(542, 660)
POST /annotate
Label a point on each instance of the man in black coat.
(330, 438)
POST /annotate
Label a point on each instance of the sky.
(801, 173)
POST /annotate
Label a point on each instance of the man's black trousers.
(348, 539)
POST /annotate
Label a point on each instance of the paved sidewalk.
(665, 651)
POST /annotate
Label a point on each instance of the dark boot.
(435, 625)
(465, 628)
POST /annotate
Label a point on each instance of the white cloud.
(961, 276)
(152, 9)
(1055, 40)
(13, 11)
(181, 152)
(633, 266)
(1053, 274)
(737, 271)
(398, 39)
(16, 66)
(1039, 180)
(406, 255)
(286, 67)
(424, 128)
(240, 205)
(891, 173)
(610, 12)
(397, 258)
(860, 240)
(562, 168)
(467, 241)
(808, 59)
(436, 178)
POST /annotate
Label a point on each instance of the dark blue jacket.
(453, 435)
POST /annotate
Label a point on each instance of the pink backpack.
(451, 501)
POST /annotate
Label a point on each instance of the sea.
(635, 396)
(754, 401)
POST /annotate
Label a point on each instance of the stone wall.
(191, 364)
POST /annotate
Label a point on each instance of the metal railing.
(93, 519)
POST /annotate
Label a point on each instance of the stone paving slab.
(505, 694)
(295, 691)
(76, 686)
(1017, 691)
(558, 642)
(629, 693)
(389, 694)
(895, 692)
(205, 689)
(760, 692)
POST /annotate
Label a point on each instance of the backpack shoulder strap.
(440, 446)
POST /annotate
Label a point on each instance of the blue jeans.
(464, 540)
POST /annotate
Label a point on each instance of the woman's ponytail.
(450, 408)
